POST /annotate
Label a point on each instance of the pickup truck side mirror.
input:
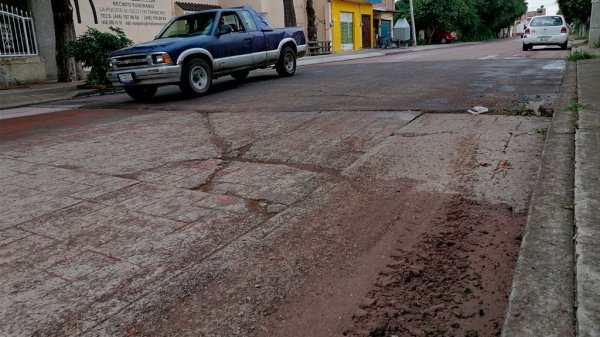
(225, 29)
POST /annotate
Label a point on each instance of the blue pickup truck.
(193, 49)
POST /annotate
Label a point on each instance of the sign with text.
(140, 19)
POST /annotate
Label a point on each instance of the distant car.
(546, 30)
(443, 36)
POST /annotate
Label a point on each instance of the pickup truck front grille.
(132, 61)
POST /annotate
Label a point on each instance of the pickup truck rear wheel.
(141, 93)
(196, 77)
(286, 66)
(240, 75)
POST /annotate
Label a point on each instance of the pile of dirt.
(454, 282)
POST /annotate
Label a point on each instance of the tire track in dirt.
(455, 281)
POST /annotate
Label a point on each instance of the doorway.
(366, 31)
(346, 26)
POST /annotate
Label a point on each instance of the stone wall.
(22, 69)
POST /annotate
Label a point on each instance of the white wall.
(141, 20)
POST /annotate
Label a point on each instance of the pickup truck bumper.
(145, 76)
(301, 50)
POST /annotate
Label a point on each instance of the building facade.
(383, 18)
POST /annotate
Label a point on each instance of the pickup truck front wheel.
(286, 66)
(141, 93)
(196, 78)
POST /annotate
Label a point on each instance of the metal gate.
(17, 32)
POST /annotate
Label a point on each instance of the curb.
(542, 301)
(587, 200)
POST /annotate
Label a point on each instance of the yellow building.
(351, 24)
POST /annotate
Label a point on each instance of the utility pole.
(412, 23)
(594, 36)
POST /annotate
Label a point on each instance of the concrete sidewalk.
(587, 199)
(556, 285)
(48, 92)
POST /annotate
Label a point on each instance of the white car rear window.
(546, 21)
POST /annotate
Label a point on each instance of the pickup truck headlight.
(161, 58)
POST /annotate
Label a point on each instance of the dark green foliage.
(435, 15)
(404, 9)
(575, 10)
(92, 50)
(472, 20)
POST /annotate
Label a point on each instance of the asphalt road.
(495, 74)
(354, 198)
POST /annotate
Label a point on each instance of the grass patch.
(541, 131)
(580, 55)
(576, 106)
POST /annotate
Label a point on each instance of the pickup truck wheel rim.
(198, 77)
(288, 62)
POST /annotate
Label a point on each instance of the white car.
(546, 30)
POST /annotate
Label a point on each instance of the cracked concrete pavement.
(98, 221)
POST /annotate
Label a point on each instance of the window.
(189, 25)
(546, 21)
(232, 20)
(346, 27)
(248, 21)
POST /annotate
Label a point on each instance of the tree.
(434, 15)
(289, 13)
(498, 14)
(402, 10)
(311, 18)
(68, 69)
(473, 19)
(576, 10)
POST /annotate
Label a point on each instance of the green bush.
(92, 50)
(580, 55)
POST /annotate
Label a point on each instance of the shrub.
(580, 55)
(92, 50)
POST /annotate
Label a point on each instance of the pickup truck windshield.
(201, 24)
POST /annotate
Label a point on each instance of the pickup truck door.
(257, 39)
(232, 50)
(259, 52)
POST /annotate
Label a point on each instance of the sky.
(551, 6)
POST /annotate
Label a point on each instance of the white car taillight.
(563, 30)
(527, 31)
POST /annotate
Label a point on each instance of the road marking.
(488, 57)
(555, 65)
